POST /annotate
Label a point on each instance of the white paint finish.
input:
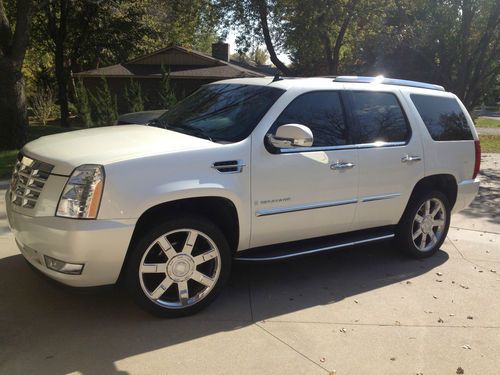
(66, 151)
(293, 177)
(147, 166)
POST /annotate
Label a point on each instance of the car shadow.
(87, 332)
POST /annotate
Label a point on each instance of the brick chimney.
(220, 50)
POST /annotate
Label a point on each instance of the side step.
(289, 250)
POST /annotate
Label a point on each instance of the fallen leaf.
(322, 359)
(435, 297)
(464, 286)
(440, 320)
(460, 371)
(481, 271)
(470, 317)
(466, 347)
(452, 314)
(439, 281)
(333, 372)
(494, 271)
(439, 273)
(356, 301)
(393, 358)
(343, 330)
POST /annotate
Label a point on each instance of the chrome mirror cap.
(290, 136)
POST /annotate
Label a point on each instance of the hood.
(140, 117)
(66, 151)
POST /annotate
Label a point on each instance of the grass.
(8, 158)
(490, 143)
(482, 122)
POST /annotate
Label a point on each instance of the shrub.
(83, 104)
(43, 105)
(104, 109)
(133, 97)
(167, 94)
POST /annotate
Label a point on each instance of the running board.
(289, 250)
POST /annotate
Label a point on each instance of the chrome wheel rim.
(429, 224)
(179, 268)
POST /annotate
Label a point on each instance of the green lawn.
(482, 122)
(490, 143)
(8, 158)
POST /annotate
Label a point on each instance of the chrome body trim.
(372, 198)
(303, 207)
(318, 250)
(228, 167)
(343, 147)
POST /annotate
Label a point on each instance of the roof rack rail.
(388, 81)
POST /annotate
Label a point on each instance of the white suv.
(253, 169)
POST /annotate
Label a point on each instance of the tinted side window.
(379, 118)
(322, 112)
(443, 117)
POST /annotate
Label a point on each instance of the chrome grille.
(27, 181)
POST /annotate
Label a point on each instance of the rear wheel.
(424, 225)
(179, 267)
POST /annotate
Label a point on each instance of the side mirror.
(290, 136)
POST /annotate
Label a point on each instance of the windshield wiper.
(198, 132)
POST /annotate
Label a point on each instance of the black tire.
(137, 281)
(407, 227)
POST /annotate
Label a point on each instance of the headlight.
(81, 196)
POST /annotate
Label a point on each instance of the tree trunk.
(13, 118)
(13, 42)
(262, 7)
(62, 84)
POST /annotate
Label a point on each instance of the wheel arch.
(445, 183)
(220, 210)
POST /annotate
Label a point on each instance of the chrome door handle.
(342, 165)
(408, 158)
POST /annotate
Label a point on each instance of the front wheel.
(179, 267)
(424, 225)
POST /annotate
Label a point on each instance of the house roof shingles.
(219, 70)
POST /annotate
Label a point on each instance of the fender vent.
(230, 166)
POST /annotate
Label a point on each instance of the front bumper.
(100, 245)
(466, 192)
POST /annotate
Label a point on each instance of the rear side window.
(379, 118)
(320, 111)
(443, 117)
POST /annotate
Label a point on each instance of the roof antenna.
(277, 78)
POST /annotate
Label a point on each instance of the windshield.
(220, 112)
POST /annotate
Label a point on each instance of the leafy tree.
(133, 97)
(453, 43)
(104, 107)
(83, 104)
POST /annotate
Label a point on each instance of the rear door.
(390, 157)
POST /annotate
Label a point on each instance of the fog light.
(63, 267)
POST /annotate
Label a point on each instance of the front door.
(308, 192)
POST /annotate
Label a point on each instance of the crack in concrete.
(294, 349)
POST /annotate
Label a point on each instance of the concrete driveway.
(366, 310)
